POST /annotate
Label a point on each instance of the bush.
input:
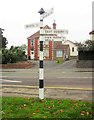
(12, 55)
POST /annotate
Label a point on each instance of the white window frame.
(59, 53)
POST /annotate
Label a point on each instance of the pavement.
(49, 92)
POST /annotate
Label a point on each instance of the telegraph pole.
(41, 69)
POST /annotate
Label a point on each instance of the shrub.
(13, 55)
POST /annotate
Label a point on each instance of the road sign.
(53, 38)
(53, 31)
(34, 25)
(46, 14)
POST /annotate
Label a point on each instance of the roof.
(60, 46)
(92, 32)
(37, 34)
(69, 41)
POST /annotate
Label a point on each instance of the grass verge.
(28, 108)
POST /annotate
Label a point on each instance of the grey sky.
(74, 15)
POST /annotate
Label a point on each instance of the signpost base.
(41, 93)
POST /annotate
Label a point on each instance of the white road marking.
(76, 77)
(9, 80)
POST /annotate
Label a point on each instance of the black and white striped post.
(43, 15)
(41, 69)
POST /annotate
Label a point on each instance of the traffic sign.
(46, 14)
(53, 31)
(34, 25)
(53, 38)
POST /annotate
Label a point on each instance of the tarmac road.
(57, 77)
(66, 75)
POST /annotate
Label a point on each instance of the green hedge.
(12, 55)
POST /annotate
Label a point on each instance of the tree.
(88, 45)
(3, 40)
(23, 47)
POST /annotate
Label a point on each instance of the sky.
(72, 15)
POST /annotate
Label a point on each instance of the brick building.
(51, 49)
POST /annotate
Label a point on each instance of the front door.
(32, 55)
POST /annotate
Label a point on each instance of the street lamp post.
(41, 69)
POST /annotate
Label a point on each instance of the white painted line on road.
(49, 87)
(76, 77)
(9, 80)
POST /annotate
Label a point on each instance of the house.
(49, 47)
(91, 35)
(61, 52)
(33, 46)
(73, 48)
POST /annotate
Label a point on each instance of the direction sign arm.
(47, 13)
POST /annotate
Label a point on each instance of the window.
(46, 42)
(32, 42)
(72, 49)
(59, 53)
(46, 52)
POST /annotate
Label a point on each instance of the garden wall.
(21, 65)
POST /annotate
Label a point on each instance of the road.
(55, 75)
(60, 81)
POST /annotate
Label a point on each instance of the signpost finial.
(41, 11)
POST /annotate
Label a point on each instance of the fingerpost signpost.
(43, 15)
(44, 34)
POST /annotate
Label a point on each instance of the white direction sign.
(46, 14)
(53, 38)
(53, 31)
(34, 25)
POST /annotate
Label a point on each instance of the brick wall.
(22, 65)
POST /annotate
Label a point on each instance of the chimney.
(54, 25)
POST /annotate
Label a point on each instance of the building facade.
(33, 47)
(52, 49)
(73, 48)
(91, 35)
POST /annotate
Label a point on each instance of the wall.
(85, 64)
(91, 36)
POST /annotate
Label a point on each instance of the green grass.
(16, 107)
